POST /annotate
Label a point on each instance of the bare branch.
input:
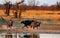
(21, 2)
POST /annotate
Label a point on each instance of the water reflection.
(31, 36)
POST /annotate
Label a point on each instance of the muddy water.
(44, 22)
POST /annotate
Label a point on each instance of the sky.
(38, 2)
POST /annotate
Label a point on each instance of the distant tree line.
(35, 6)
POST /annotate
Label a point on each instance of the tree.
(7, 7)
(18, 8)
(58, 5)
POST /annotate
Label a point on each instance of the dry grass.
(36, 14)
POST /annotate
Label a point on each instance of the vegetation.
(7, 7)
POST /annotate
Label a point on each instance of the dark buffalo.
(27, 23)
(31, 23)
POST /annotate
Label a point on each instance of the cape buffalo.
(31, 23)
(27, 23)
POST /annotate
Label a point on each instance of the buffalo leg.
(24, 26)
